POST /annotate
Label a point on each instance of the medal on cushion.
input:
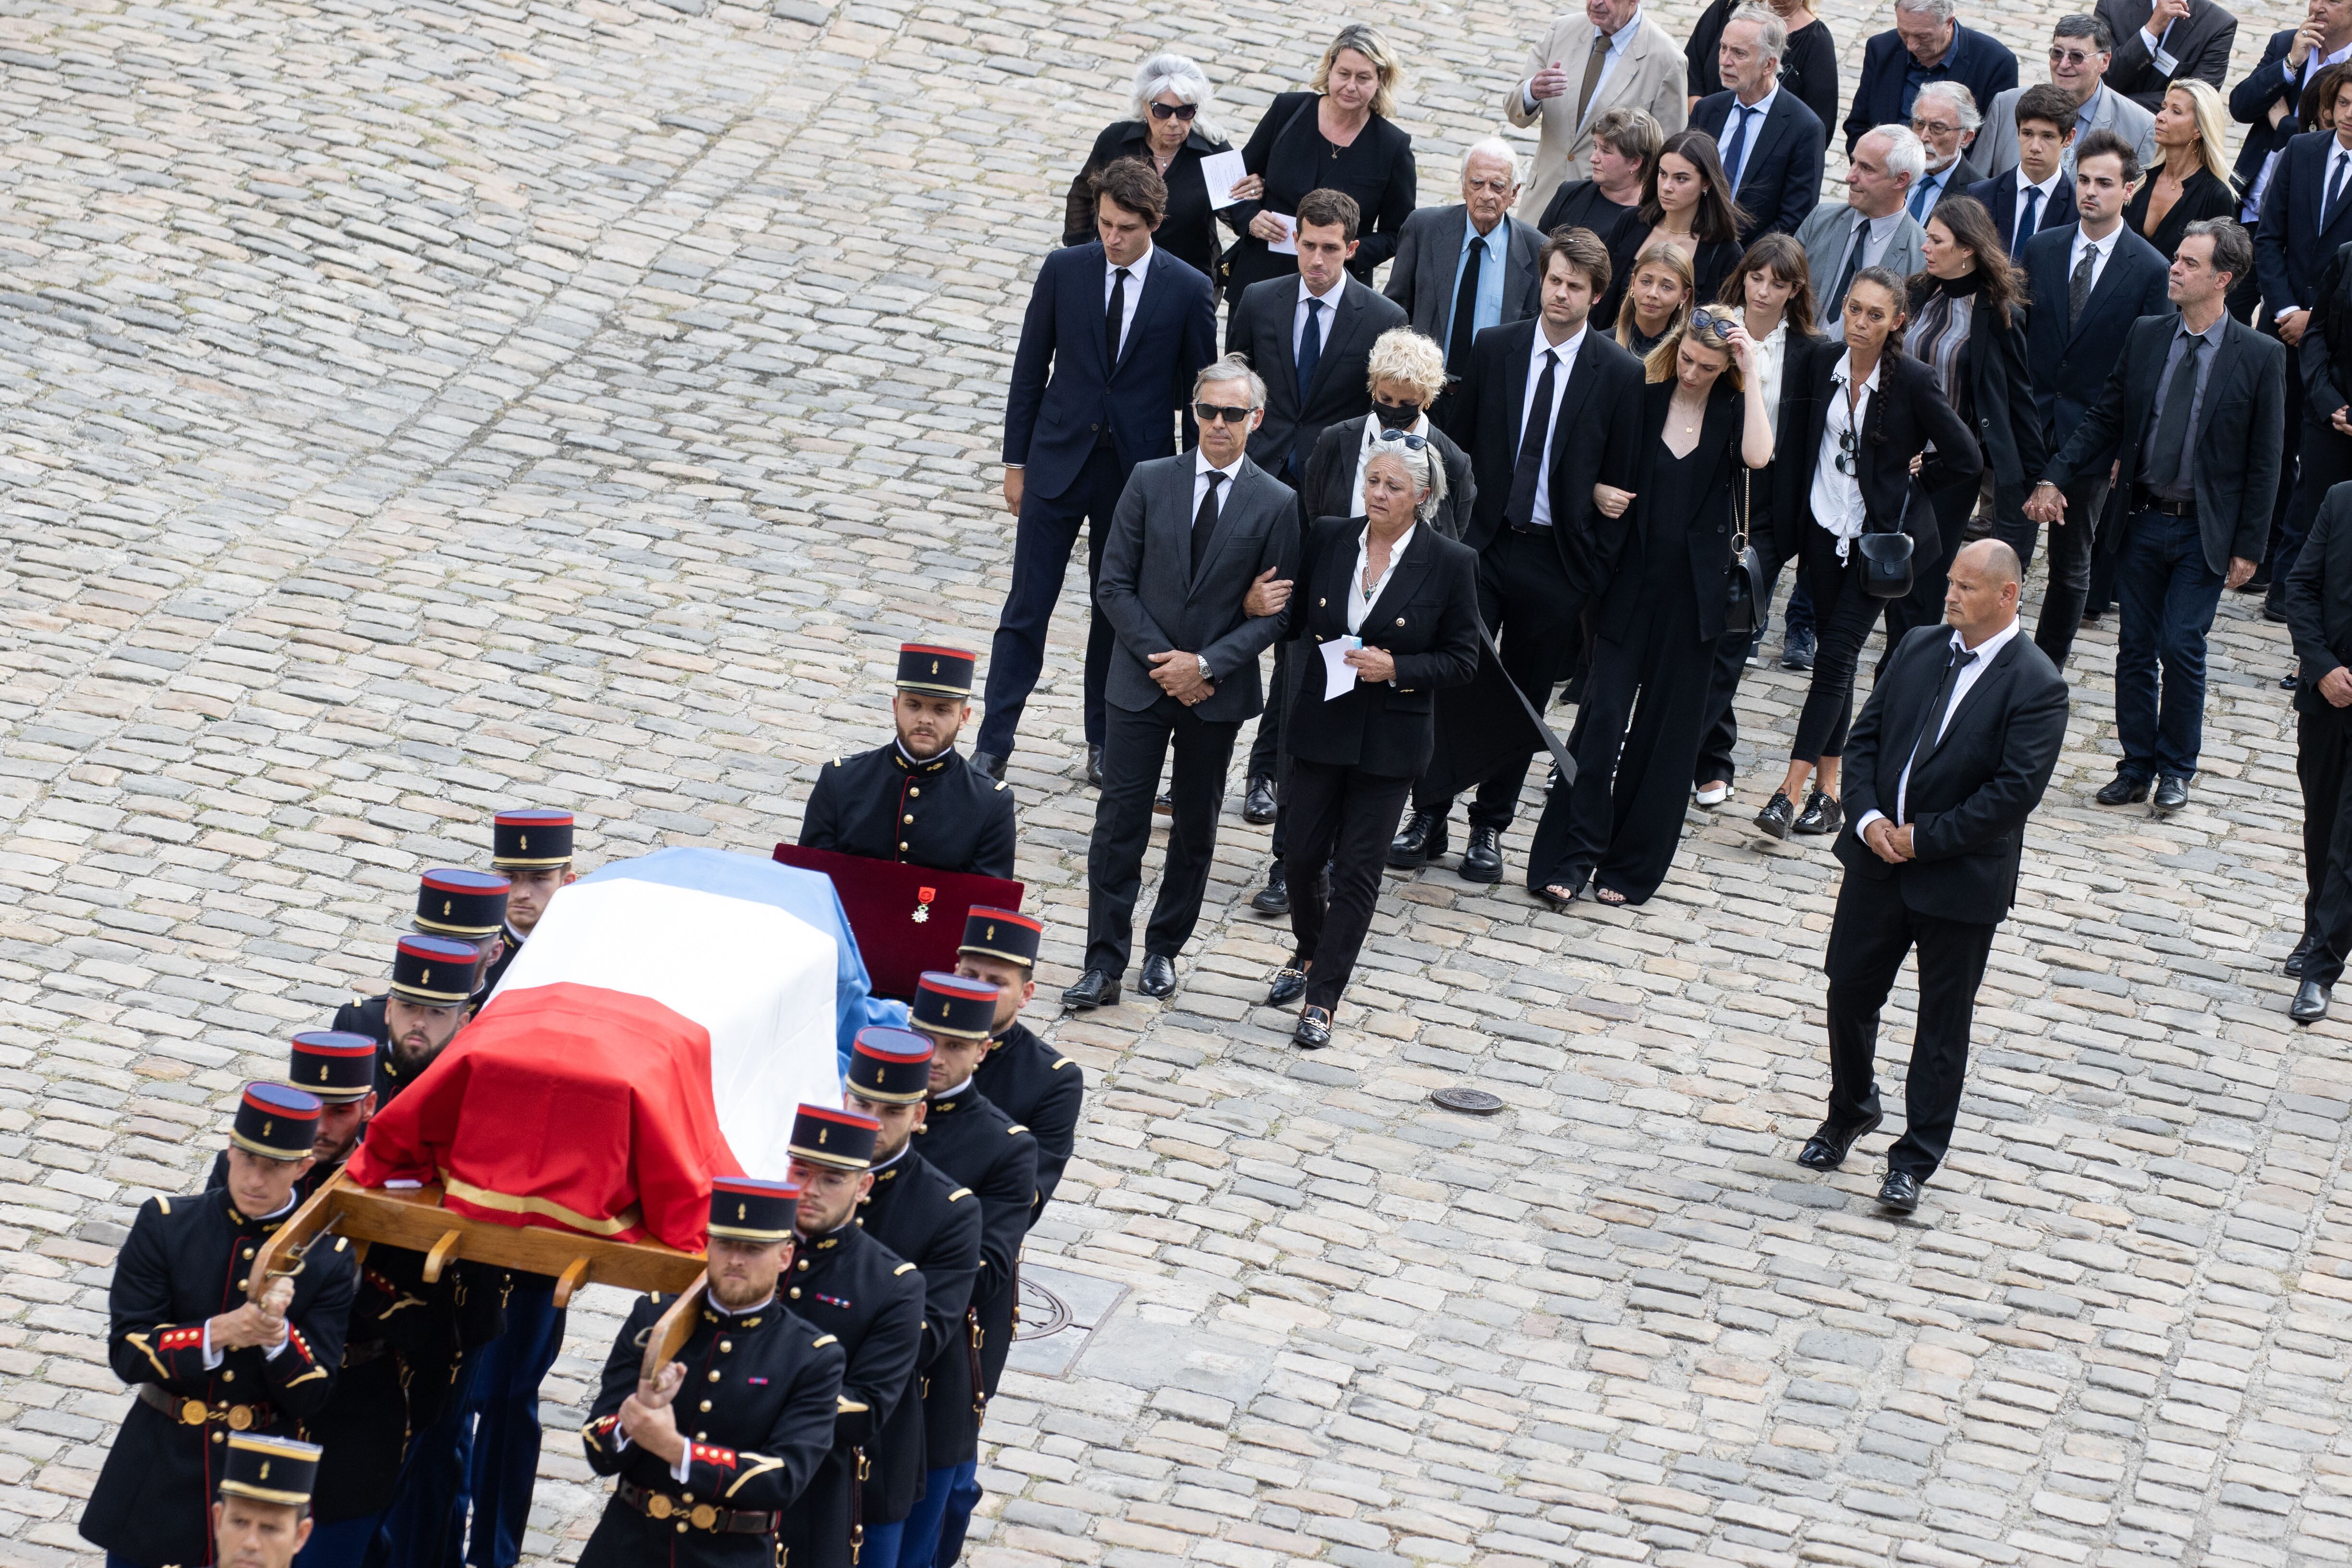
(923, 897)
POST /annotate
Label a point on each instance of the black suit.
(2271, 83)
(1808, 65)
(1329, 488)
(2320, 457)
(2292, 247)
(1287, 148)
(1354, 756)
(1999, 195)
(2319, 614)
(2199, 44)
(1883, 93)
(1973, 785)
(1533, 584)
(1263, 329)
(1781, 176)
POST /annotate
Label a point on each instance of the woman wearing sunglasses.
(1395, 603)
(1170, 128)
(1869, 412)
(1705, 425)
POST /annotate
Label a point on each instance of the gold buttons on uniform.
(796, 1293)
(913, 791)
(1321, 603)
(726, 1345)
(714, 1378)
(910, 816)
(902, 849)
(706, 1404)
(803, 1265)
(227, 1376)
(248, 1252)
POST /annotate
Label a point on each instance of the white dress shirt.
(1324, 317)
(1135, 271)
(1566, 368)
(1752, 116)
(1836, 497)
(1987, 651)
(1372, 438)
(1771, 357)
(1359, 600)
(2106, 249)
(1202, 469)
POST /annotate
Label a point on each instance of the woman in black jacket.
(2189, 180)
(1336, 137)
(1872, 410)
(1171, 131)
(1703, 426)
(1968, 326)
(1406, 598)
(1686, 204)
(1406, 371)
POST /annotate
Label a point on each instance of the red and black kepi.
(890, 1066)
(269, 1469)
(453, 903)
(434, 971)
(1002, 934)
(746, 1208)
(953, 1005)
(336, 1068)
(934, 671)
(531, 838)
(275, 1122)
(843, 1140)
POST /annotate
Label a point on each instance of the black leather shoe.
(1822, 815)
(1274, 898)
(1158, 975)
(1094, 989)
(1165, 805)
(2310, 1003)
(2171, 794)
(1482, 859)
(1899, 1192)
(2091, 614)
(1257, 806)
(1314, 1030)
(1421, 841)
(2292, 679)
(2122, 790)
(1093, 766)
(1289, 985)
(1779, 817)
(989, 765)
(2295, 960)
(1828, 1147)
(2275, 606)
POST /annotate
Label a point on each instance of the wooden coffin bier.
(907, 918)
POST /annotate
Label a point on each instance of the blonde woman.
(1169, 129)
(2189, 180)
(1658, 294)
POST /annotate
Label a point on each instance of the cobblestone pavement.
(407, 409)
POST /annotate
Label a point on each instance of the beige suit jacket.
(1649, 74)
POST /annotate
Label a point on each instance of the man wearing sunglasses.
(2081, 47)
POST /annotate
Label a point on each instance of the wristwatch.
(1207, 674)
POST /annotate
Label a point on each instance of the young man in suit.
(2319, 610)
(2194, 417)
(1945, 119)
(1924, 45)
(1192, 540)
(1611, 56)
(1949, 757)
(1870, 227)
(2039, 192)
(1114, 335)
(1772, 146)
(1463, 269)
(2160, 42)
(2080, 50)
(2268, 101)
(1554, 407)
(2089, 282)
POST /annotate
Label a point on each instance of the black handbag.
(1744, 580)
(1886, 558)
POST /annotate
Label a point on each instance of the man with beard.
(426, 1005)
(916, 800)
(339, 1072)
(532, 848)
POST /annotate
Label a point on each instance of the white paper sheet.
(1288, 243)
(1338, 676)
(1221, 172)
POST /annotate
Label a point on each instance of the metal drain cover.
(1477, 1102)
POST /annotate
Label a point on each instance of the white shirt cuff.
(1862, 825)
(1528, 95)
(213, 1358)
(2164, 62)
(678, 1472)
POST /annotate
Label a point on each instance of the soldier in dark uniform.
(923, 1217)
(339, 1072)
(262, 1517)
(532, 847)
(1022, 1075)
(982, 1148)
(712, 1451)
(915, 799)
(846, 1282)
(432, 977)
(205, 1359)
(469, 906)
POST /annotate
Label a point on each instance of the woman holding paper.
(1392, 607)
(1334, 136)
(1170, 130)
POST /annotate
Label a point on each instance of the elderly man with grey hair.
(2081, 49)
(1773, 147)
(1469, 265)
(1945, 119)
(1872, 227)
(1928, 43)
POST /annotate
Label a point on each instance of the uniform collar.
(887, 1170)
(899, 755)
(746, 1318)
(269, 1221)
(949, 1099)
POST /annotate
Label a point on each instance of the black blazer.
(1260, 328)
(1978, 61)
(2201, 196)
(1970, 791)
(1329, 488)
(1808, 65)
(2069, 361)
(1189, 231)
(2289, 248)
(1715, 495)
(1710, 265)
(2324, 357)
(1288, 150)
(1596, 439)
(1780, 504)
(1427, 617)
(1781, 182)
(2319, 600)
(1904, 414)
(2199, 44)
(1578, 204)
(2238, 443)
(2271, 81)
(1999, 195)
(2000, 392)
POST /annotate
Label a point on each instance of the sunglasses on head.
(1412, 443)
(1714, 324)
(1209, 412)
(1174, 110)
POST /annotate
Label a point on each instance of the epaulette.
(960, 1192)
(900, 1270)
(999, 783)
(1060, 1062)
(1016, 1127)
(162, 1205)
(823, 1340)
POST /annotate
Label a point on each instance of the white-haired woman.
(1407, 370)
(1396, 603)
(1171, 129)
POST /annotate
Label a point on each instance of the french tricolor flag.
(658, 1029)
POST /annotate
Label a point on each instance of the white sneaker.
(1713, 797)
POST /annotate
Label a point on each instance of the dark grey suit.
(1155, 602)
(1429, 249)
(1260, 328)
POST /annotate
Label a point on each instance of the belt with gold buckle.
(196, 1412)
(700, 1515)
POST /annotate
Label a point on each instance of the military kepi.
(335, 1068)
(935, 671)
(275, 1122)
(745, 1208)
(534, 838)
(842, 1140)
(433, 971)
(1001, 934)
(451, 902)
(890, 1066)
(269, 1469)
(953, 1005)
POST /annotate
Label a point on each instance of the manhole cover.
(1041, 1312)
(1477, 1102)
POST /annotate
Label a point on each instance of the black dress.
(2201, 196)
(1189, 231)
(1288, 150)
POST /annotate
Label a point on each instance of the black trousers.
(1041, 541)
(1342, 816)
(1265, 746)
(1871, 934)
(1135, 745)
(2327, 455)
(2322, 761)
(1289, 676)
(2069, 587)
(1846, 615)
(1953, 499)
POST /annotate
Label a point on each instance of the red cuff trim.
(705, 1455)
(184, 1339)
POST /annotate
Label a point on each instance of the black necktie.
(2165, 450)
(2025, 220)
(2335, 190)
(1521, 508)
(1310, 348)
(1731, 148)
(2078, 288)
(1961, 658)
(1115, 318)
(1465, 316)
(1834, 304)
(1204, 521)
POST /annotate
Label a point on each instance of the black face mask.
(1396, 415)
